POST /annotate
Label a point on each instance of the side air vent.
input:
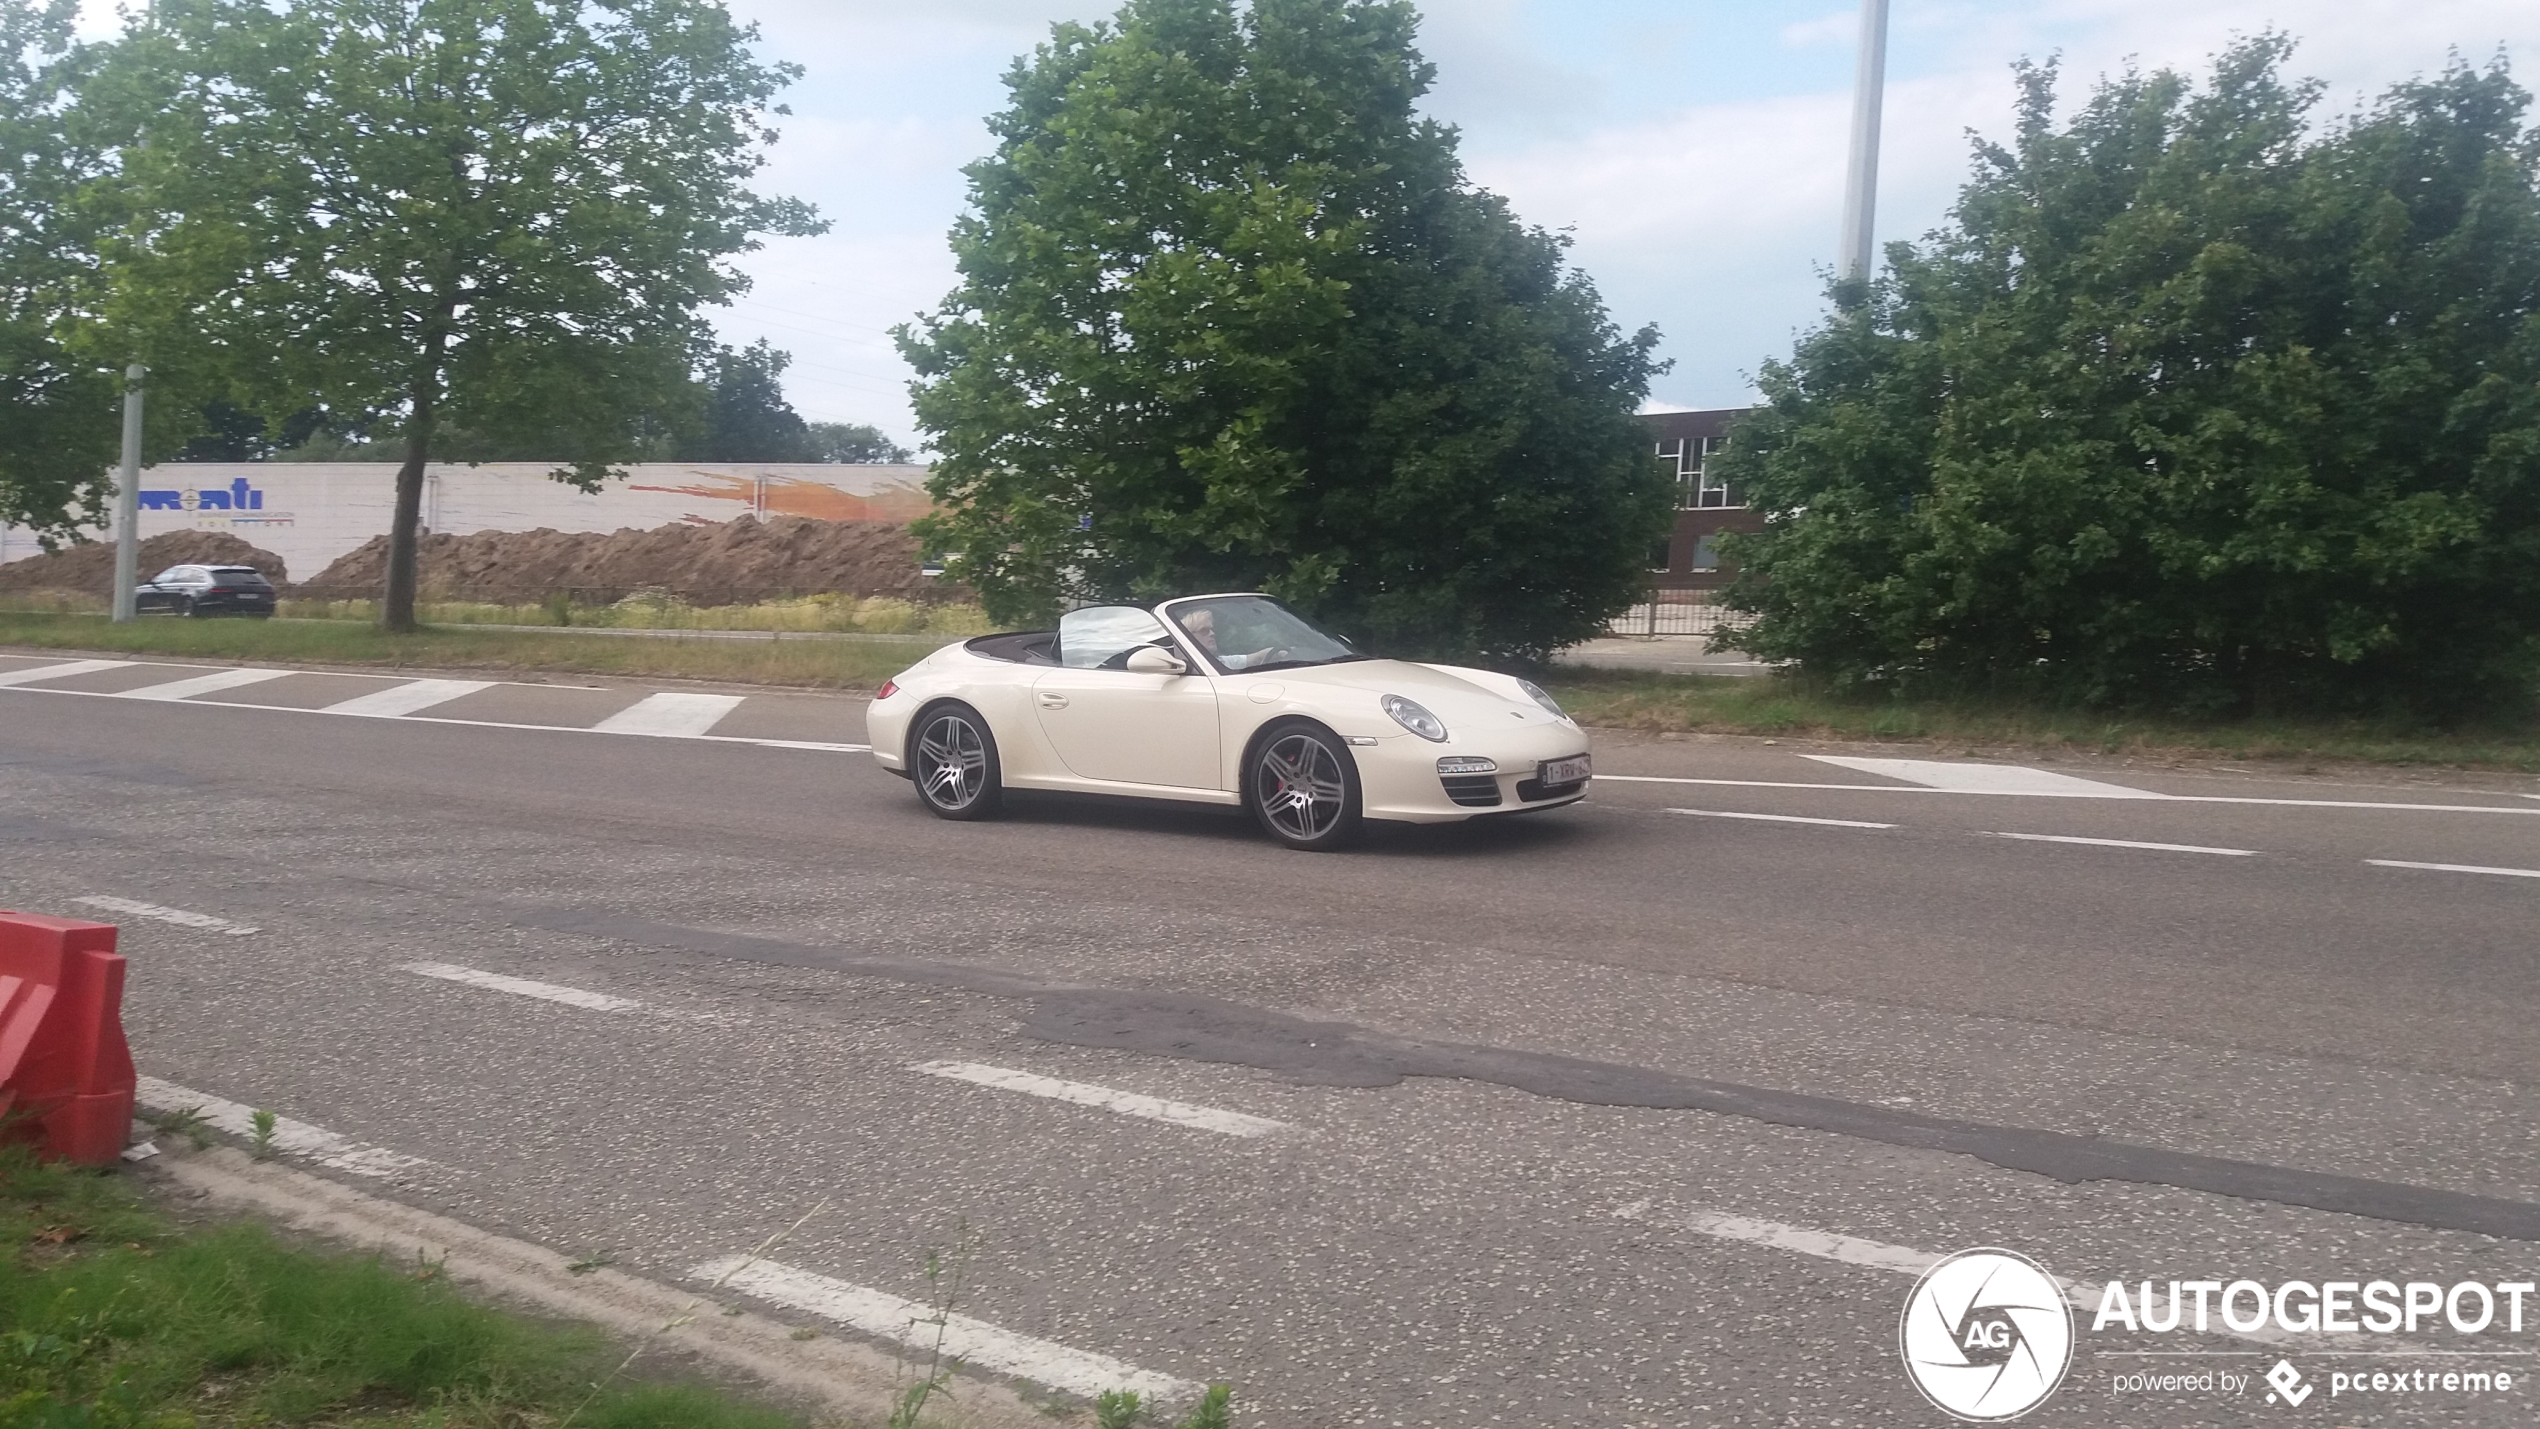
(1473, 791)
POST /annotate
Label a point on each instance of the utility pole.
(1861, 193)
(128, 496)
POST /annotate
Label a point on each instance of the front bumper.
(1399, 780)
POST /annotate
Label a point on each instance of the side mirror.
(1153, 660)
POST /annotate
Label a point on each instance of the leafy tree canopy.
(1231, 316)
(2192, 405)
(854, 442)
(496, 217)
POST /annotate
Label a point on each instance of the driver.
(1202, 625)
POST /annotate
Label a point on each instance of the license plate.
(1573, 770)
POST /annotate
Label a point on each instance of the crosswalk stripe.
(671, 713)
(408, 698)
(62, 671)
(213, 683)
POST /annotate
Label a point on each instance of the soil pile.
(740, 563)
(89, 568)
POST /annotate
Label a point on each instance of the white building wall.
(309, 513)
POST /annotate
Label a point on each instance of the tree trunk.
(397, 603)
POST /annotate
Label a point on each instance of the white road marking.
(177, 916)
(1985, 778)
(62, 671)
(975, 1343)
(2455, 868)
(2123, 843)
(671, 713)
(524, 987)
(212, 683)
(2052, 794)
(1782, 819)
(1204, 1118)
(1878, 1255)
(822, 746)
(400, 700)
(296, 1137)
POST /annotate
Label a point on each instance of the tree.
(58, 433)
(746, 416)
(2191, 406)
(854, 442)
(1231, 317)
(494, 217)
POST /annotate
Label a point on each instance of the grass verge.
(1790, 705)
(114, 1317)
(829, 663)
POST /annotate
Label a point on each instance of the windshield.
(1254, 632)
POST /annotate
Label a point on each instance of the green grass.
(829, 663)
(113, 1317)
(1790, 705)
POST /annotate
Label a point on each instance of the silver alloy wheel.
(952, 762)
(1300, 788)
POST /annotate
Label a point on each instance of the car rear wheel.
(187, 606)
(1302, 786)
(952, 758)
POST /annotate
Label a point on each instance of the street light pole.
(1861, 192)
(128, 496)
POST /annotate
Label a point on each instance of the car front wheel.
(1302, 786)
(952, 758)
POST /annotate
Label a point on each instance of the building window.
(1706, 552)
(1688, 459)
(1658, 557)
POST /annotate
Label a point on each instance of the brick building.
(1686, 442)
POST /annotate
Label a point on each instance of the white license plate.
(1573, 770)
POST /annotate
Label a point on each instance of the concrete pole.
(1861, 192)
(128, 496)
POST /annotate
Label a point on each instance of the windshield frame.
(1170, 613)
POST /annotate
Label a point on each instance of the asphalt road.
(1627, 1114)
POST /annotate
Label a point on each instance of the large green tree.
(58, 427)
(2193, 404)
(1232, 316)
(491, 217)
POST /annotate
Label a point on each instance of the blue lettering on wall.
(237, 496)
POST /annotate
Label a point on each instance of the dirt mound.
(89, 568)
(739, 563)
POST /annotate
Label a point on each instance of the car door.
(1126, 726)
(154, 593)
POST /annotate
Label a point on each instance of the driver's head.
(1202, 625)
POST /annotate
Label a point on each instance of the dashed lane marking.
(408, 698)
(178, 916)
(297, 1138)
(1985, 778)
(2455, 868)
(677, 714)
(2123, 843)
(1782, 819)
(1203, 1118)
(210, 684)
(1877, 1255)
(62, 671)
(975, 1343)
(524, 987)
(2051, 794)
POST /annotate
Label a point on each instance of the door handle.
(1052, 700)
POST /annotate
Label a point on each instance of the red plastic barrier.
(66, 1074)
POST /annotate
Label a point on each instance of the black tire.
(1302, 787)
(952, 759)
(188, 609)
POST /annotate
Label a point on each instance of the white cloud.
(1840, 28)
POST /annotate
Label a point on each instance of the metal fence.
(1668, 617)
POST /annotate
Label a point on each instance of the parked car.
(1224, 699)
(206, 590)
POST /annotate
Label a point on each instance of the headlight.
(1412, 717)
(1536, 693)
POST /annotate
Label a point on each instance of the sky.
(1693, 149)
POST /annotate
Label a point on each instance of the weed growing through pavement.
(596, 1260)
(189, 1123)
(1126, 1409)
(263, 1121)
(944, 1283)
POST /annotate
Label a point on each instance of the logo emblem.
(2288, 1382)
(1987, 1335)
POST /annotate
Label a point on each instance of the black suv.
(206, 590)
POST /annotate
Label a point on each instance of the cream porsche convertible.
(1230, 700)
